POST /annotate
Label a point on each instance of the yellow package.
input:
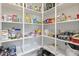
(28, 18)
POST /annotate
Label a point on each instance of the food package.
(28, 18)
(3, 34)
(75, 38)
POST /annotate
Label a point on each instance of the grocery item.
(46, 31)
(12, 50)
(4, 17)
(77, 16)
(32, 19)
(14, 17)
(75, 38)
(38, 31)
(51, 34)
(8, 51)
(35, 8)
(64, 17)
(18, 33)
(19, 19)
(39, 22)
(65, 35)
(48, 6)
(14, 33)
(28, 18)
(3, 34)
(11, 17)
(45, 21)
(49, 21)
(69, 18)
(1, 50)
(35, 19)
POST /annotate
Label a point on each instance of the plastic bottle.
(63, 17)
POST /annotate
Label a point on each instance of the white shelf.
(49, 24)
(40, 24)
(11, 22)
(32, 24)
(10, 40)
(30, 50)
(48, 37)
(30, 37)
(76, 20)
(52, 50)
(67, 21)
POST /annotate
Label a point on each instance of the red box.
(77, 16)
(75, 39)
